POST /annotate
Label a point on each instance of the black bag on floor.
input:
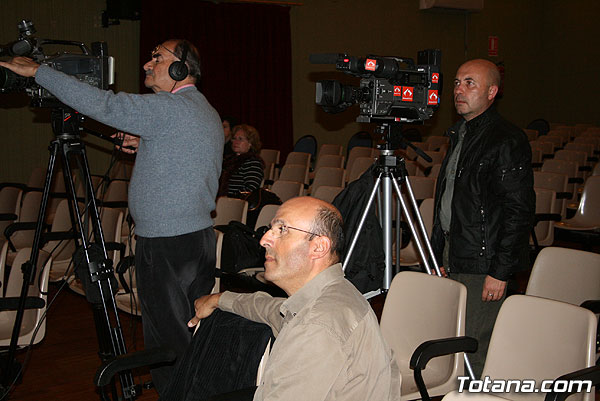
(241, 247)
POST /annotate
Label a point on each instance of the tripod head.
(66, 122)
(391, 133)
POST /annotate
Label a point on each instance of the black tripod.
(95, 269)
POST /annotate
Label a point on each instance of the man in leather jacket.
(485, 203)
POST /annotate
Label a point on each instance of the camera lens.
(9, 81)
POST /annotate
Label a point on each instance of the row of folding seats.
(565, 159)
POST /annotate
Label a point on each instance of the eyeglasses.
(280, 229)
(157, 49)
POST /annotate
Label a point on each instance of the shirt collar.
(311, 290)
(182, 87)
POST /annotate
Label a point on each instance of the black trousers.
(171, 273)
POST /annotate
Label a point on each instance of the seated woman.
(243, 170)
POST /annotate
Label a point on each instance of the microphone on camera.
(325, 58)
(23, 47)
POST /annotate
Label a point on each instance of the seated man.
(328, 343)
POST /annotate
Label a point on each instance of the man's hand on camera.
(129, 143)
(204, 307)
(21, 65)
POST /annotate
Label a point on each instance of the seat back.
(330, 161)
(556, 182)
(329, 149)
(306, 144)
(409, 255)
(435, 141)
(547, 148)
(332, 176)
(588, 212)
(360, 139)
(266, 215)
(539, 339)
(423, 187)
(435, 170)
(563, 134)
(121, 170)
(588, 148)
(270, 156)
(532, 134)
(229, 209)
(360, 165)
(287, 189)
(556, 141)
(39, 289)
(112, 224)
(409, 318)
(540, 125)
(10, 202)
(62, 250)
(357, 151)
(327, 192)
(436, 158)
(37, 178)
(117, 191)
(567, 275)
(271, 159)
(295, 172)
(545, 200)
(298, 158)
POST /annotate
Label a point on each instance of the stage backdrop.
(245, 52)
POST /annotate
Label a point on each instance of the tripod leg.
(29, 270)
(416, 237)
(108, 326)
(387, 230)
(423, 230)
(361, 223)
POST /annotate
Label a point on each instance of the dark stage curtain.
(245, 52)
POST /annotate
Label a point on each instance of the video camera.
(93, 67)
(386, 92)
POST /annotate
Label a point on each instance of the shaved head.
(489, 69)
(475, 87)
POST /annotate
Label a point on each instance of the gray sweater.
(175, 178)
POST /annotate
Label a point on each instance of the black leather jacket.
(493, 205)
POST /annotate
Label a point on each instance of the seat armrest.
(564, 195)
(435, 348)
(111, 204)
(592, 374)
(121, 363)
(592, 305)
(547, 217)
(8, 216)
(18, 185)
(12, 303)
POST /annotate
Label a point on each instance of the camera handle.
(68, 146)
(391, 170)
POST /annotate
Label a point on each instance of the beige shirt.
(329, 345)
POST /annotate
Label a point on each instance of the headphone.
(178, 70)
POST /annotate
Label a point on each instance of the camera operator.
(179, 144)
